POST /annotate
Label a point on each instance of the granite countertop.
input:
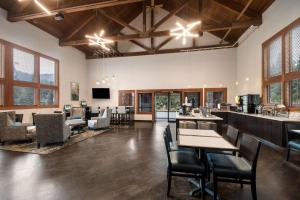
(282, 119)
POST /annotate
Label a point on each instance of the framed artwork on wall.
(74, 91)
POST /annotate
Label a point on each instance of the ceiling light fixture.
(42, 7)
(184, 31)
(99, 40)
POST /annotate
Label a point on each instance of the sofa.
(102, 121)
(51, 129)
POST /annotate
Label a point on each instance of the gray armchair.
(10, 131)
(102, 121)
(51, 128)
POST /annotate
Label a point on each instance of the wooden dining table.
(203, 140)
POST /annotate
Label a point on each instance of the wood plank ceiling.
(226, 19)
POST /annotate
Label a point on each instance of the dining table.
(196, 117)
(203, 140)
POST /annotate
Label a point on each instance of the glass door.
(161, 106)
(166, 105)
(174, 105)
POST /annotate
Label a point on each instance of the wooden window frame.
(9, 82)
(138, 103)
(126, 92)
(286, 76)
(224, 90)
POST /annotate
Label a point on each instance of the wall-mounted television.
(101, 93)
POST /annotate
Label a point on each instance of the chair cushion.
(175, 147)
(295, 144)
(186, 161)
(229, 166)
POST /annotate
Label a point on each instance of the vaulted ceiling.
(225, 19)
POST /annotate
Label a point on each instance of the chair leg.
(203, 187)
(288, 154)
(215, 187)
(253, 189)
(241, 183)
(169, 181)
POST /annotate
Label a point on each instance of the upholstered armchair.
(77, 113)
(51, 129)
(10, 131)
(102, 121)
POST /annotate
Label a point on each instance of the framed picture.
(74, 91)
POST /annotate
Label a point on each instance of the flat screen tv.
(101, 93)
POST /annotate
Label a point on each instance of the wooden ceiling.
(226, 19)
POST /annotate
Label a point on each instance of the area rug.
(32, 147)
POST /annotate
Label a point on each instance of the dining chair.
(173, 144)
(184, 164)
(292, 138)
(236, 169)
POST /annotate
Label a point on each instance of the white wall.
(249, 54)
(164, 71)
(72, 61)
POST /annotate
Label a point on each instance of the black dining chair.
(184, 164)
(236, 169)
(292, 138)
(173, 144)
(232, 136)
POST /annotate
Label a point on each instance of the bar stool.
(122, 115)
(114, 115)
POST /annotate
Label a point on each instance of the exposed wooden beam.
(13, 17)
(79, 27)
(145, 16)
(205, 28)
(119, 21)
(177, 50)
(237, 8)
(140, 45)
(166, 41)
(152, 22)
(238, 18)
(168, 16)
(137, 43)
(234, 25)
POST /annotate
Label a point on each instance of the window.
(126, 97)
(2, 50)
(281, 67)
(30, 80)
(47, 71)
(275, 58)
(274, 93)
(214, 96)
(23, 96)
(295, 49)
(194, 98)
(47, 97)
(23, 63)
(1, 95)
(145, 102)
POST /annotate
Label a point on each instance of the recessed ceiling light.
(247, 79)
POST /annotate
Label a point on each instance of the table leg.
(177, 127)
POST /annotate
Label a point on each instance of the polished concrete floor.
(128, 163)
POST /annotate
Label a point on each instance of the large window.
(27, 78)
(214, 96)
(145, 103)
(281, 67)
